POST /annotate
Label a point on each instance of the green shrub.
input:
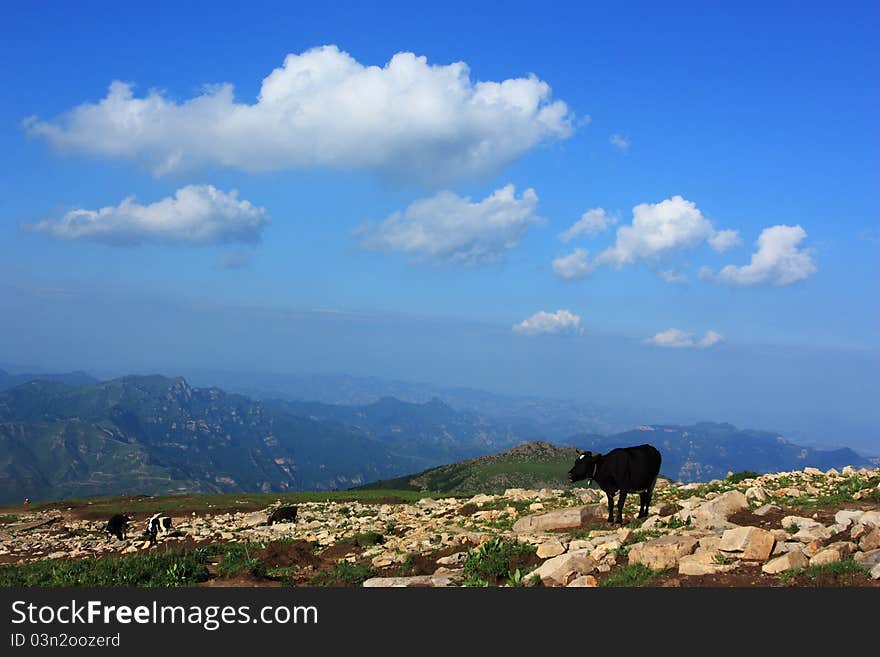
(344, 573)
(631, 575)
(491, 561)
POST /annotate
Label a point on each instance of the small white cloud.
(620, 142)
(778, 260)
(724, 239)
(672, 276)
(450, 228)
(592, 222)
(196, 214)
(322, 108)
(677, 339)
(709, 339)
(562, 321)
(574, 265)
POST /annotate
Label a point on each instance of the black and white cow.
(625, 469)
(118, 526)
(157, 524)
(283, 514)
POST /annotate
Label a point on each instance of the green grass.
(344, 573)
(632, 575)
(236, 558)
(645, 535)
(844, 568)
(491, 561)
(737, 477)
(208, 501)
(174, 568)
(842, 493)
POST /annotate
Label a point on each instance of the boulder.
(562, 570)
(568, 518)
(867, 559)
(799, 522)
(579, 544)
(661, 553)
(434, 581)
(847, 516)
(765, 509)
(871, 518)
(750, 543)
(452, 559)
(814, 533)
(583, 581)
(714, 513)
(551, 548)
(787, 561)
(756, 493)
(696, 565)
(826, 556)
(875, 572)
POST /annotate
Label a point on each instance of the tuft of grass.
(632, 575)
(171, 569)
(367, 539)
(344, 573)
(742, 475)
(829, 571)
(491, 561)
(236, 558)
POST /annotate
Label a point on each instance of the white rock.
(561, 570)
(551, 548)
(787, 561)
(583, 581)
(751, 543)
(661, 553)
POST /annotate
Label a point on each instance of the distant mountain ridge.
(700, 452)
(77, 378)
(155, 434)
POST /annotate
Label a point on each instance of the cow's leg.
(620, 502)
(610, 495)
(647, 497)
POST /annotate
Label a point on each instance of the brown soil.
(241, 581)
(282, 554)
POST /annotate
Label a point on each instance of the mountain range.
(66, 436)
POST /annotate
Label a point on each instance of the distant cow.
(118, 526)
(625, 469)
(157, 524)
(283, 514)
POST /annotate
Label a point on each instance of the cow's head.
(584, 467)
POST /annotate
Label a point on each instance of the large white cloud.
(574, 265)
(562, 321)
(778, 260)
(409, 119)
(678, 339)
(196, 214)
(659, 228)
(451, 228)
(592, 222)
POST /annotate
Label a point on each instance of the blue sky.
(375, 230)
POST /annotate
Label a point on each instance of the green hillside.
(532, 465)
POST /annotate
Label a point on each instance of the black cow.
(625, 469)
(157, 524)
(118, 526)
(283, 514)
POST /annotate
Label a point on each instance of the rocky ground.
(768, 530)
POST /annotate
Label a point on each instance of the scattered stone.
(787, 561)
(715, 512)
(551, 548)
(765, 509)
(555, 571)
(695, 565)
(661, 553)
(870, 541)
(453, 559)
(756, 493)
(568, 518)
(752, 543)
(579, 544)
(583, 581)
(435, 581)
